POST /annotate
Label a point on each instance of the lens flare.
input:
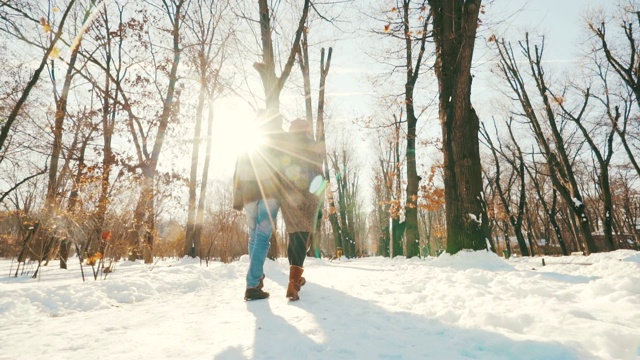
(317, 185)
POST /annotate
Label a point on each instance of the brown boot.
(295, 282)
(255, 294)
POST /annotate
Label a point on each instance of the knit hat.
(300, 125)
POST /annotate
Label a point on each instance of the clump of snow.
(576, 203)
(466, 259)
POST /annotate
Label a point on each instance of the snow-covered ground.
(467, 306)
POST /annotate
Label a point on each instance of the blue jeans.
(261, 216)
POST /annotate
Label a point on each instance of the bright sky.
(561, 22)
(467, 306)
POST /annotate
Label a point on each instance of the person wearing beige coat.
(301, 170)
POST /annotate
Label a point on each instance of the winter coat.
(301, 162)
(256, 173)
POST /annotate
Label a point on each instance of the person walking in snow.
(300, 198)
(256, 190)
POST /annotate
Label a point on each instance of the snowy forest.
(120, 121)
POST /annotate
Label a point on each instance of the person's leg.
(265, 214)
(297, 249)
(251, 211)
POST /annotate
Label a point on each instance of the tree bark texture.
(454, 31)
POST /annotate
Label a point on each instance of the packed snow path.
(467, 306)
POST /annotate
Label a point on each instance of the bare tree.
(208, 55)
(516, 162)
(388, 189)
(624, 59)
(61, 112)
(347, 182)
(406, 24)
(110, 95)
(558, 162)
(550, 210)
(603, 160)
(271, 82)
(303, 59)
(143, 219)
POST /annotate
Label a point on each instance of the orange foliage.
(432, 196)
(106, 235)
(93, 259)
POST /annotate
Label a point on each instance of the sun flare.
(236, 131)
(250, 138)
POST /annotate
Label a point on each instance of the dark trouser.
(297, 249)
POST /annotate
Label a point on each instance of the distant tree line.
(94, 93)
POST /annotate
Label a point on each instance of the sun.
(236, 129)
(238, 136)
(252, 138)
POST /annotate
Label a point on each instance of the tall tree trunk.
(397, 227)
(108, 123)
(530, 238)
(197, 232)
(507, 240)
(454, 29)
(304, 67)
(384, 239)
(144, 208)
(75, 188)
(397, 231)
(61, 112)
(345, 236)
(352, 207)
(412, 234)
(210, 35)
(191, 247)
(321, 137)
